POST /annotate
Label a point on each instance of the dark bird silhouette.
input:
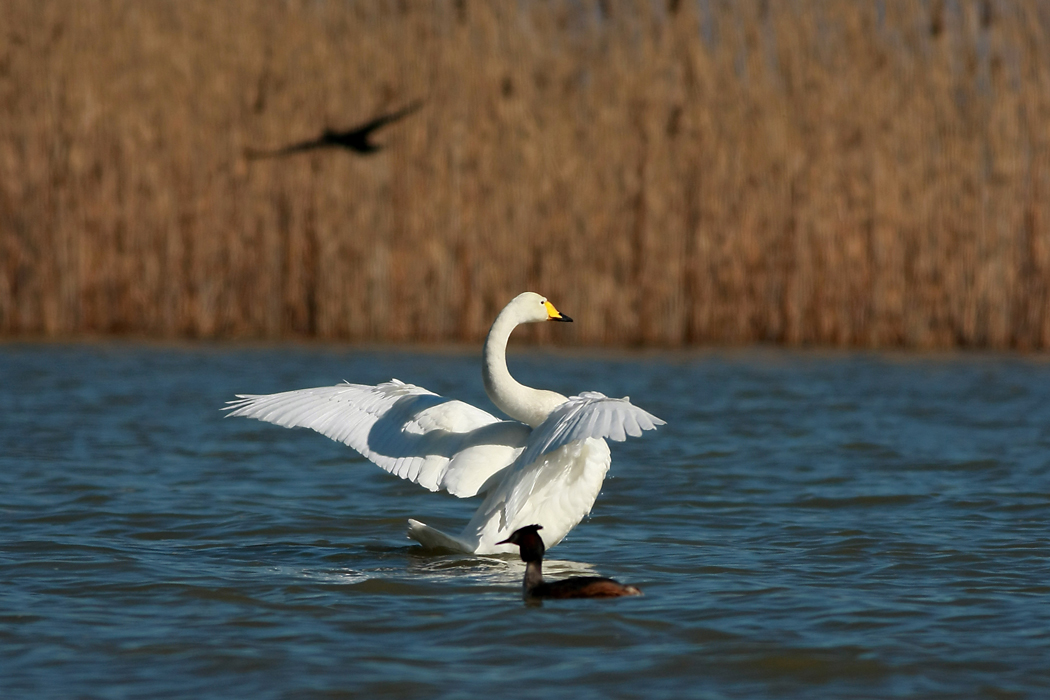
(357, 139)
(532, 548)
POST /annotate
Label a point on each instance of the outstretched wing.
(589, 415)
(410, 432)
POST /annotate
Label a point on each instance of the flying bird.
(546, 464)
(357, 139)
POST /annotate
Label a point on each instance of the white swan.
(545, 466)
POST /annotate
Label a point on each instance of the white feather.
(408, 431)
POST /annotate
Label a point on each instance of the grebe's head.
(529, 542)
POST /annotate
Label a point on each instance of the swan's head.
(529, 542)
(530, 307)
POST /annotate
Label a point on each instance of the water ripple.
(807, 525)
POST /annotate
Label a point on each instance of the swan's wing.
(589, 415)
(413, 433)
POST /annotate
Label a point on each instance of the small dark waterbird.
(531, 545)
(357, 140)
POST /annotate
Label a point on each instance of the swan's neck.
(533, 575)
(530, 406)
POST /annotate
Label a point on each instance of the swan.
(545, 465)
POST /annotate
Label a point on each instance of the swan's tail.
(432, 538)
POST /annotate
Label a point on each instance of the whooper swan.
(546, 465)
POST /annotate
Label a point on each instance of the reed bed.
(809, 173)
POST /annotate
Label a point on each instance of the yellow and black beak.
(554, 315)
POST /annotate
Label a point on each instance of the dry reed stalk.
(699, 172)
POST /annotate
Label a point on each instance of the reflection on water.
(806, 525)
(501, 570)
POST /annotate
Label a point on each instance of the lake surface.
(807, 525)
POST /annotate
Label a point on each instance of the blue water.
(807, 525)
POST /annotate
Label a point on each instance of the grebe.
(545, 465)
(531, 545)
